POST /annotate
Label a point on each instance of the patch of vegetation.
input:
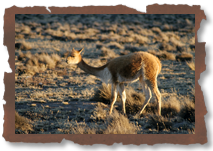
(22, 124)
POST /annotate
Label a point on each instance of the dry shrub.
(126, 39)
(114, 45)
(106, 52)
(191, 65)
(34, 60)
(100, 113)
(21, 55)
(140, 39)
(134, 101)
(176, 42)
(164, 55)
(91, 31)
(22, 124)
(179, 106)
(164, 37)
(24, 56)
(69, 35)
(45, 58)
(159, 122)
(28, 55)
(184, 56)
(122, 31)
(114, 37)
(119, 124)
(166, 27)
(152, 51)
(103, 94)
(156, 30)
(80, 128)
(23, 45)
(38, 62)
(188, 110)
(166, 46)
(31, 62)
(56, 57)
(32, 70)
(171, 107)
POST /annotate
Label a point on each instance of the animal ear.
(81, 50)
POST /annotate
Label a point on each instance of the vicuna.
(141, 66)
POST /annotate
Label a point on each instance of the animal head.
(75, 56)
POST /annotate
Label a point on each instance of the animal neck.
(96, 71)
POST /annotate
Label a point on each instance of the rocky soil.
(54, 97)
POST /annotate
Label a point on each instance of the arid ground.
(52, 97)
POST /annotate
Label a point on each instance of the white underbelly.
(106, 76)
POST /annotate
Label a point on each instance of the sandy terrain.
(53, 97)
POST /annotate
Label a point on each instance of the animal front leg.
(148, 95)
(158, 97)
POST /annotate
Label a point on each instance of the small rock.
(33, 105)
(47, 106)
(65, 103)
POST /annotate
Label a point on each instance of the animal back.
(126, 66)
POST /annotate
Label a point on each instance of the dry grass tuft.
(159, 122)
(22, 124)
(188, 110)
(152, 51)
(103, 94)
(119, 124)
(184, 56)
(156, 30)
(23, 46)
(21, 55)
(166, 47)
(100, 113)
(56, 57)
(171, 107)
(164, 55)
(191, 65)
(80, 128)
(134, 101)
(106, 52)
(114, 45)
(38, 62)
(45, 58)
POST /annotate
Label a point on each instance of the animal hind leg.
(114, 97)
(123, 96)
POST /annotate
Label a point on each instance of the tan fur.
(129, 65)
(141, 66)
